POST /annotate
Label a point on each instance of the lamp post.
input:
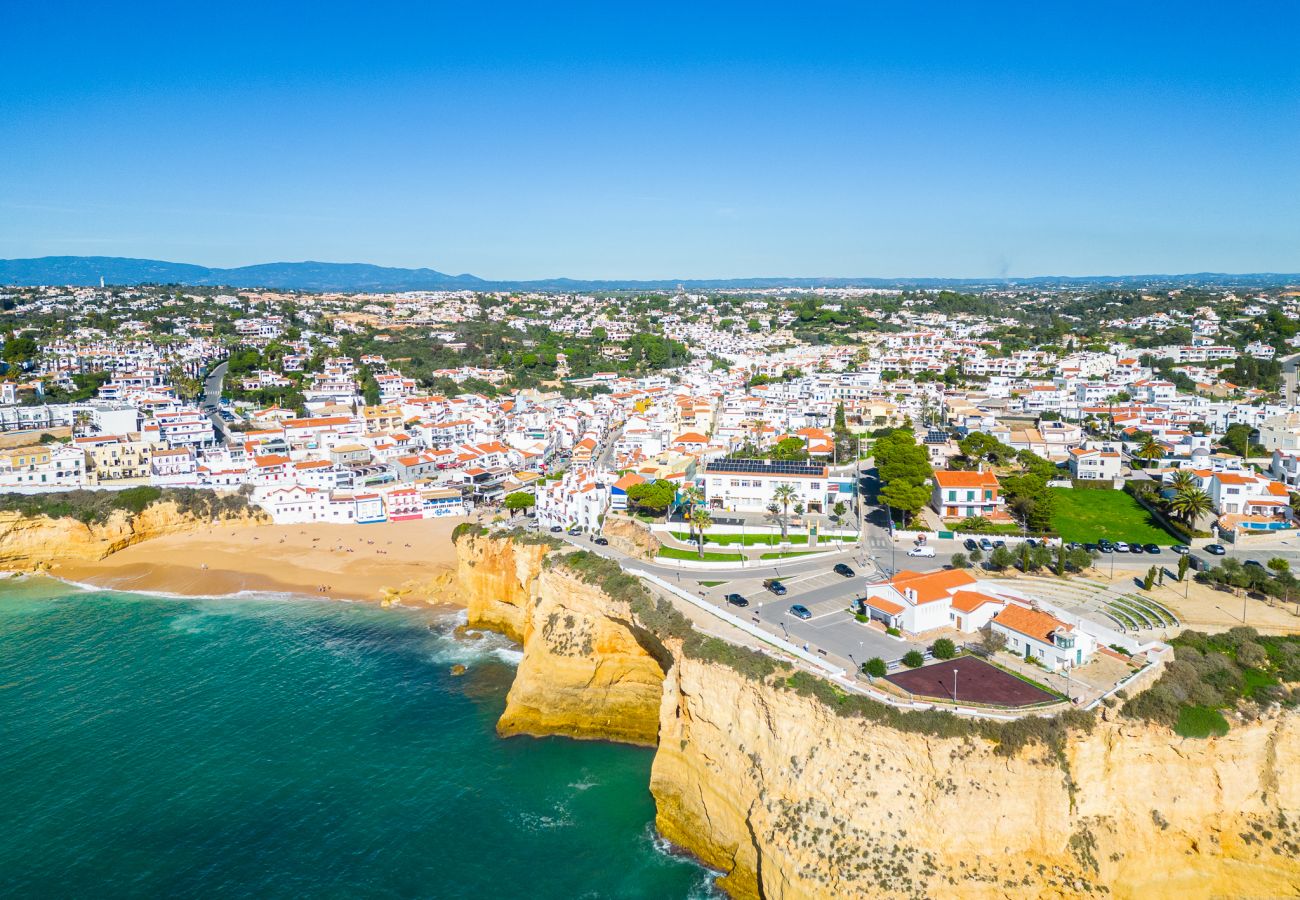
(954, 686)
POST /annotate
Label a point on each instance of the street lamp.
(954, 685)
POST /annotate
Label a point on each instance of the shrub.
(943, 649)
(894, 631)
(875, 667)
(913, 659)
(960, 561)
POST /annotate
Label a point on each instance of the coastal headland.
(792, 789)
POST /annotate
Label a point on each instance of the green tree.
(1001, 558)
(913, 659)
(1191, 504)
(520, 500)
(960, 561)
(1184, 563)
(875, 667)
(943, 648)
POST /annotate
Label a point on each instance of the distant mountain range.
(323, 276)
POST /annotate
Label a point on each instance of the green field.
(674, 553)
(1086, 516)
(758, 540)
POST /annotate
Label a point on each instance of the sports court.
(977, 682)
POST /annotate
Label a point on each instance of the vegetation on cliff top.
(1239, 669)
(93, 507)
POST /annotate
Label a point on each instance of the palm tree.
(1184, 480)
(1191, 504)
(1149, 450)
(692, 498)
(784, 494)
(702, 521)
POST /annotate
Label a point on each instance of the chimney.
(910, 595)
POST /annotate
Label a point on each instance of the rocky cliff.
(585, 671)
(31, 542)
(791, 798)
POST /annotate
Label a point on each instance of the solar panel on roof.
(763, 467)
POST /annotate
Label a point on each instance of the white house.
(749, 485)
(1040, 635)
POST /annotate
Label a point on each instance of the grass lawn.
(709, 583)
(757, 540)
(674, 553)
(1086, 516)
(789, 553)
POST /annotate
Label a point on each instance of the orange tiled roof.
(1031, 622)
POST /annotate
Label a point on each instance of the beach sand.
(352, 562)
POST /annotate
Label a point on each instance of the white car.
(922, 550)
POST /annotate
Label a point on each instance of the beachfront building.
(1102, 463)
(740, 484)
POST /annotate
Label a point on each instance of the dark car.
(799, 611)
(1254, 562)
(1135, 548)
(970, 544)
(575, 531)
(556, 529)
(841, 569)
(1215, 549)
(737, 600)
(997, 544)
(986, 545)
(1032, 543)
(601, 541)
(775, 587)
(1106, 547)
(1151, 548)
(1181, 549)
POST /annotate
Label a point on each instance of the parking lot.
(826, 595)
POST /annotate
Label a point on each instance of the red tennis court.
(977, 682)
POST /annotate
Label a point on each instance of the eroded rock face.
(630, 536)
(584, 673)
(791, 800)
(29, 543)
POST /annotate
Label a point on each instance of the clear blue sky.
(653, 140)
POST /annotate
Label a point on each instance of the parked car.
(1032, 543)
(1091, 548)
(556, 529)
(986, 545)
(1181, 549)
(997, 544)
(1121, 546)
(575, 531)
(1135, 548)
(799, 611)
(737, 600)
(922, 550)
(1151, 548)
(601, 541)
(1254, 562)
(842, 569)
(970, 544)
(775, 587)
(1215, 549)
(1105, 546)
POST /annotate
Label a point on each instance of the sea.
(265, 746)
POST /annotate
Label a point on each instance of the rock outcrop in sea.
(792, 792)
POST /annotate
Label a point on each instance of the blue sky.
(653, 140)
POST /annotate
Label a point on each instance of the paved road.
(212, 397)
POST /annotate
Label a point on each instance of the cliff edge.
(793, 790)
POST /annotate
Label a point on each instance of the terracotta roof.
(1030, 622)
(953, 479)
(931, 586)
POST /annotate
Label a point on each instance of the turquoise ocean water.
(273, 747)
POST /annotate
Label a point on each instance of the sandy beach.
(347, 562)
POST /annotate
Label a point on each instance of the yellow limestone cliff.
(31, 542)
(584, 672)
(791, 800)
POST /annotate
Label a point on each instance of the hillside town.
(297, 399)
